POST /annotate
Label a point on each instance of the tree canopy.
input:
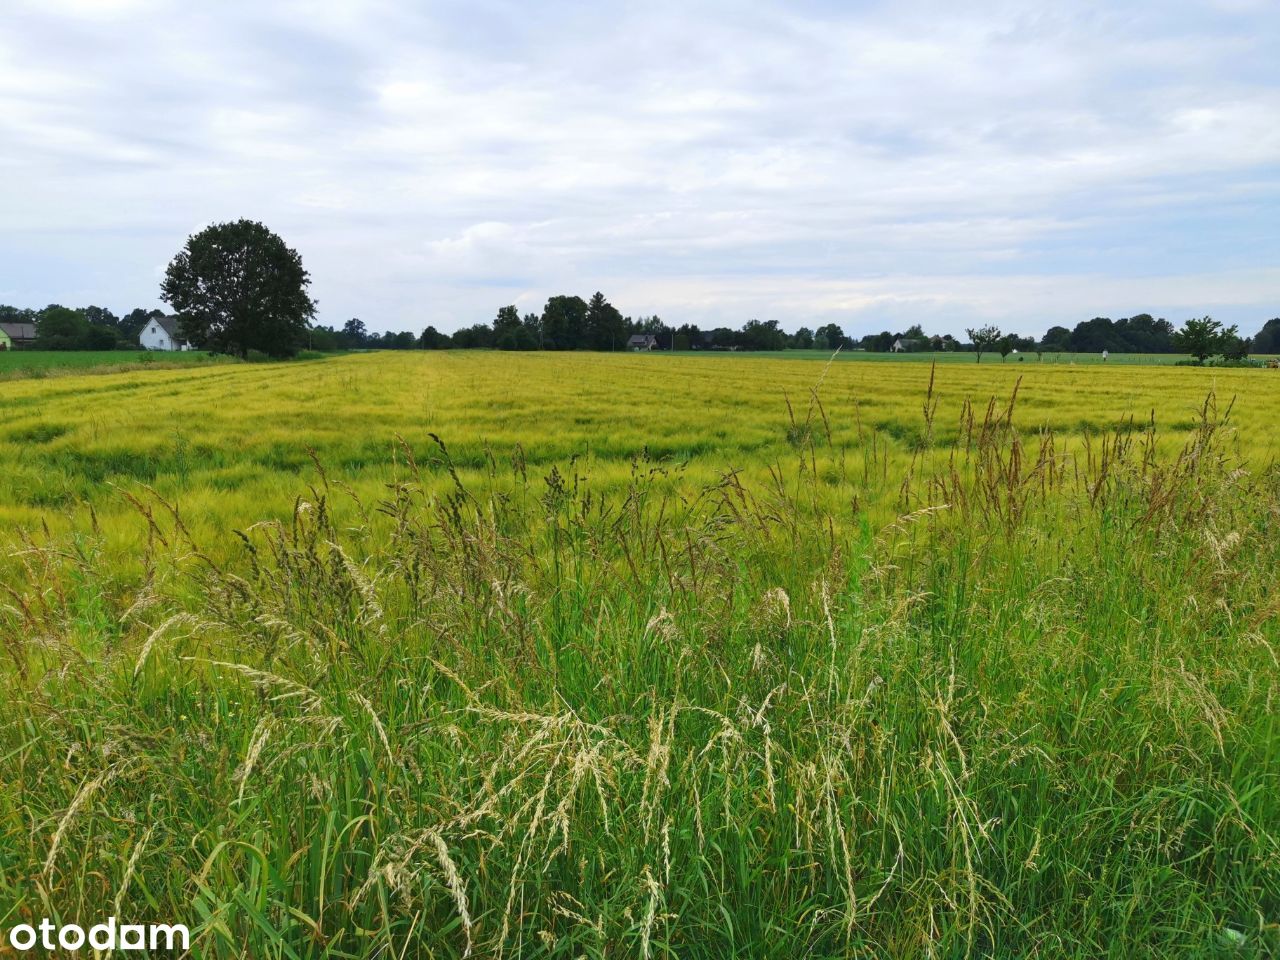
(238, 287)
(1204, 337)
(984, 339)
(1267, 340)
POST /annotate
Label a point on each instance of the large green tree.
(1267, 340)
(605, 327)
(238, 287)
(510, 332)
(61, 328)
(564, 323)
(829, 337)
(354, 334)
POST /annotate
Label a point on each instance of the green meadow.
(18, 364)
(473, 654)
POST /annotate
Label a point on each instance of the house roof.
(169, 325)
(19, 331)
(642, 338)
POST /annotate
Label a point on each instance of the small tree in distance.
(354, 333)
(238, 287)
(1203, 337)
(983, 338)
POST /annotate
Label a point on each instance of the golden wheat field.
(475, 654)
(234, 444)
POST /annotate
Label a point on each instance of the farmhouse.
(17, 336)
(905, 345)
(642, 341)
(162, 334)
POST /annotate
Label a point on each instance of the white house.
(642, 341)
(162, 334)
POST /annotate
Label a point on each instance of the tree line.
(81, 328)
(571, 323)
(238, 288)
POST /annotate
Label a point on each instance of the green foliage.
(762, 335)
(354, 333)
(829, 337)
(984, 339)
(605, 328)
(1234, 348)
(60, 328)
(239, 288)
(1205, 337)
(1267, 340)
(564, 323)
(510, 332)
(433, 339)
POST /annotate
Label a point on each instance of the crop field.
(535, 655)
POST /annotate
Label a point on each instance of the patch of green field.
(36, 363)
(585, 655)
(926, 356)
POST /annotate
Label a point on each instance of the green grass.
(894, 674)
(925, 356)
(19, 363)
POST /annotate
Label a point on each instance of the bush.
(1221, 362)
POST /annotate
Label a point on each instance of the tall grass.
(517, 715)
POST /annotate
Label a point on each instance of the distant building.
(905, 345)
(162, 334)
(642, 341)
(17, 336)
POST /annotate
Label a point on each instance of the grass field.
(429, 654)
(927, 356)
(17, 364)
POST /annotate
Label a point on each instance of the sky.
(871, 164)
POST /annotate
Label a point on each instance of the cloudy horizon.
(869, 164)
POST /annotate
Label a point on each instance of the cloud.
(712, 161)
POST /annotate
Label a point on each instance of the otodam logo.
(108, 935)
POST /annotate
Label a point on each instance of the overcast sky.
(875, 164)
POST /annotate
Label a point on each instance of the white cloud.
(711, 161)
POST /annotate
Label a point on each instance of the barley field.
(537, 655)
